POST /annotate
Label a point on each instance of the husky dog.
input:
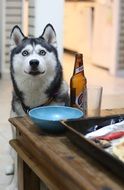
(36, 74)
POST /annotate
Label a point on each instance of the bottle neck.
(78, 67)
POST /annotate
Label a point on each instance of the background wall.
(50, 12)
(2, 31)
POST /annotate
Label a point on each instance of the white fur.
(39, 84)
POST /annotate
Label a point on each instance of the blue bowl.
(48, 117)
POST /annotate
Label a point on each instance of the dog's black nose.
(34, 63)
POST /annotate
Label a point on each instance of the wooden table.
(57, 162)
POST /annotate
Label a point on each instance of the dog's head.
(34, 56)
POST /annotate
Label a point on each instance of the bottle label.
(79, 69)
(81, 101)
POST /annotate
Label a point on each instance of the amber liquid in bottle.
(78, 85)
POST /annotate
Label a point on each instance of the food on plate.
(102, 143)
(106, 130)
(111, 136)
(118, 150)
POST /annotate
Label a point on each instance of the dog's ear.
(49, 35)
(16, 37)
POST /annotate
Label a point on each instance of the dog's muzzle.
(34, 63)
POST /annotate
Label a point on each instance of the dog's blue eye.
(25, 53)
(42, 52)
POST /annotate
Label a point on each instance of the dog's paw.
(9, 170)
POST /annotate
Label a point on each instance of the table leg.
(27, 179)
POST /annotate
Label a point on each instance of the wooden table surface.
(59, 163)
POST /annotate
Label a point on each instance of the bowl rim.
(55, 106)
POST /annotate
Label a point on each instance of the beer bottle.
(78, 85)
